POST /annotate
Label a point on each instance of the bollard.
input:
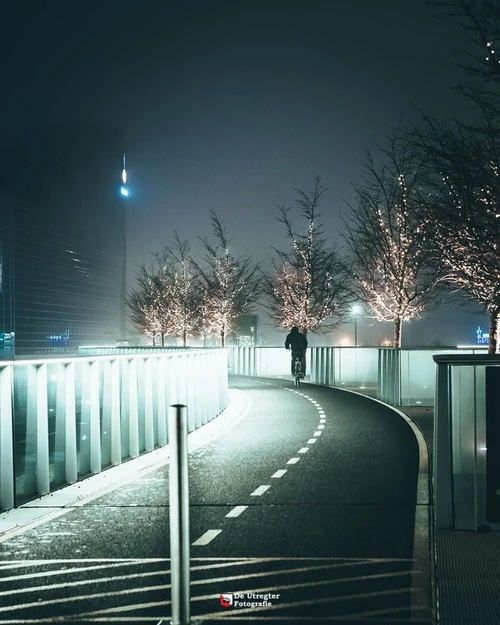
(179, 515)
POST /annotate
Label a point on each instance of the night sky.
(229, 105)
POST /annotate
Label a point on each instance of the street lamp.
(355, 311)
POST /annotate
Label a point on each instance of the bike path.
(309, 492)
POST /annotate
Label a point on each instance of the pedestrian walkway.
(466, 563)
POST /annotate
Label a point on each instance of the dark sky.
(229, 105)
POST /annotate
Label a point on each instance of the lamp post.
(356, 310)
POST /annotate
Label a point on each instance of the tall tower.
(124, 193)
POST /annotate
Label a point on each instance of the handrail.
(63, 419)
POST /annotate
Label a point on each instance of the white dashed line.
(321, 427)
(311, 441)
(260, 490)
(303, 450)
(279, 473)
(318, 433)
(236, 511)
(293, 460)
(207, 537)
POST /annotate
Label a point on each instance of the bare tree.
(387, 237)
(464, 210)
(463, 161)
(178, 279)
(146, 304)
(229, 284)
(480, 20)
(308, 285)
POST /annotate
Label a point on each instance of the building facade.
(62, 242)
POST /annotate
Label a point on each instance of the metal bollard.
(179, 515)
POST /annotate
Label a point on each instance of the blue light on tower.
(123, 188)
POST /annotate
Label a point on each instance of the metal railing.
(64, 419)
(400, 377)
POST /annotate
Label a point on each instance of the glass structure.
(62, 241)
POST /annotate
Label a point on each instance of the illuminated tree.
(229, 285)
(145, 304)
(464, 161)
(464, 208)
(387, 238)
(480, 19)
(308, 286)
(166, 301)
(178, 279)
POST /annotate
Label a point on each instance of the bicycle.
(297, 371)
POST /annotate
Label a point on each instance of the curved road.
(303, 507)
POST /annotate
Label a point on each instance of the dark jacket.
(296, 341)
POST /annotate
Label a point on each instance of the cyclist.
(297, 342)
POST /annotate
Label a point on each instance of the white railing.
(64, 419)
(400, 377)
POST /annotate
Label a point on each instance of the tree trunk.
(493, 330)
(222, 338)
(397, 332)
(184, 338)
(162, 339)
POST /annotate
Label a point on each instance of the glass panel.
(480, 465)
(463, 417)
(105, 410)
(57, 423)
(82, 400)
(140, 404)
(357, 367)
(124, 407)
(24, 432)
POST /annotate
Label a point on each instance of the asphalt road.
(304, 507)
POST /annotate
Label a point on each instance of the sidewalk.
(467, 564)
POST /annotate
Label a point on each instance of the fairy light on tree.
(308, 286)
(179, 284)
(387, 238)
(229, 285)
(480, 20)
(145, 305)
(464, 159)
(465, 211)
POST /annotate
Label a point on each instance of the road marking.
(260, 491)
(207, 537)
(293, 460)
(318, 433)
(311, 441)
(321, 411)
(321, 427)
(279, 473)
(303, 450)
(236, 511)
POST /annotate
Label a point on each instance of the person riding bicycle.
(297, 342)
